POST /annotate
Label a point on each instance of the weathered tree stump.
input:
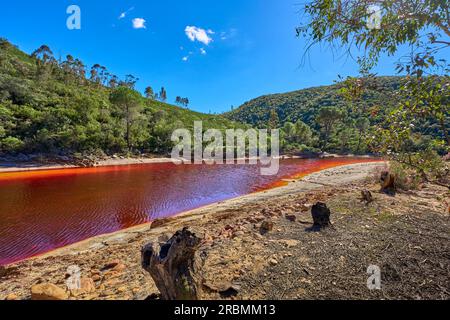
(175, 266)
(387, 181)
(321, 215)
(367, 196)
(266, 227)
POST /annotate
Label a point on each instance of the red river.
(44, 210)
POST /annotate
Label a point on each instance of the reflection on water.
(41, 211)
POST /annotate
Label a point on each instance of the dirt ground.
(407, 236)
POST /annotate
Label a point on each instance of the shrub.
(11, 144)
(405, 177)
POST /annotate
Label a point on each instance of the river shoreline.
(13, 167)
(32, 166)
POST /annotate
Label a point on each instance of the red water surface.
(44, 210)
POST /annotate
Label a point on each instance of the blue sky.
(218, 53)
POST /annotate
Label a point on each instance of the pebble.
(273, 262)
(11, 297)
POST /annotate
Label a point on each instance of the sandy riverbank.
(287, 263)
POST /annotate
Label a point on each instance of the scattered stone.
(111, 265)
(291, 217)
(304, 207)
(121, 289)
(86, 286)
(238, 234)
(5, 272)
(120, 267)
(273, 262)
(258, 236)
(11, 297)
(231, 291)
(107, 293)
(48, 291)
(289, 243)
(96, 277)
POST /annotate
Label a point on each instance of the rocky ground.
(406, 235)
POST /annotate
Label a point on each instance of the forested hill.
(338, 118)
(64, 108)
(304, 105)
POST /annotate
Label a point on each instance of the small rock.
(239, 234)
(11, 297)
(111, 264)
(258, 236)
(96, 277)
(107, 293)
(273, 262)
(120, 267)
(121, 289)
(48, 291)
(259, 218)
(86, 286)
(291, 217)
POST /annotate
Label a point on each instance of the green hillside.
(305, 104)
(322, 119)
(65, 108)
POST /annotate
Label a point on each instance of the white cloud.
(225, 35)
(124, 14)
(198, 34)
(185, 58)
(203, 51)
(139, 23)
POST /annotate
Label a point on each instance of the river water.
(44, 210)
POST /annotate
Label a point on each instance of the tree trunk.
(444, 129)
(128, 129)
(175, 266)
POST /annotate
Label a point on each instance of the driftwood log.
(175, 266)
(321, 215)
